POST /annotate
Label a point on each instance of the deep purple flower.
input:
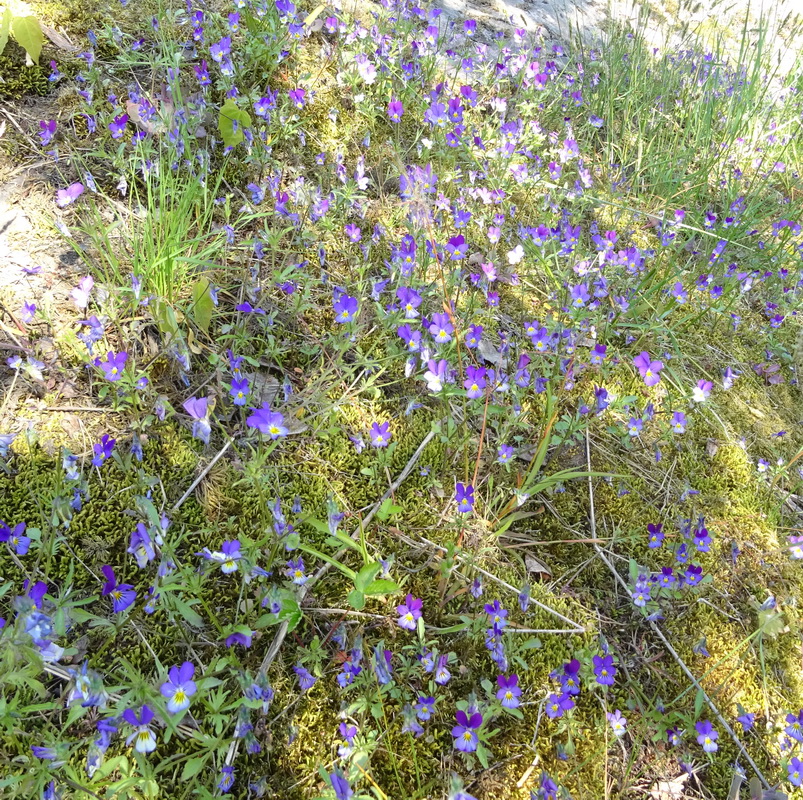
(409, 300)
(570, 678)
(122, 594)
(340, 786)
(103, 450)
(47, 130)
(114, 365)
(746, 720)
(464, 496)
(143, 736)
(117, 126)
(267, 422)
(380, 434)
(464, 732)
(179, 687)
(345, 308)
(409, 612)
(707, 736)
(239, 637)
(656, 534)
(509, 691)
(648, 369)
(604, 670)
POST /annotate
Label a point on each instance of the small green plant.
(18, 21)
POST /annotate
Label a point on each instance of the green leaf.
(356, 600)
(387, 509)
(381, 586)
(193, 767)
(366, 575)
(191, 616)
(329, 560)
(231, 122)
(698, 702)
(5, 25)
(202, 305)
(28, 32)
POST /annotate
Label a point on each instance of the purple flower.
(267, 422)
(558, 705)
(380, 434)
(617, 723)
(464, 496)
(239, 390)
(226, 771)
(345, 308)
(648, 369)
(656, 532)
(141, 546)
(47, 130)
(604, 670)
(143, 736)
(103, 450)
(409, 300)
(509, 691)
(198, 409)
(114, 365)
(475, 381)
(693, 575)
(679, 422)
(239, 637)
(16, 537)
(701, 392)
(570, 678)
(424, 707)
(117, 126)
(597, 355)
(28, 312)
(395, 110)
(746, 720)
(473, 336)
(122, 594)
(457, 247)
(297, 97)
(340, 785)
(707, 736)
(65, 197)
(441, 328)
(228, 555)
(409, 612)
(464, 733)
(179, 687)
(305, 679)
(794, 727)
(505, 453)
(795, 768)
(442, 674)
(702, 539)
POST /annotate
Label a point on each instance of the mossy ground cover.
(423, 420)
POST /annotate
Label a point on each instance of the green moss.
(18, 80)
